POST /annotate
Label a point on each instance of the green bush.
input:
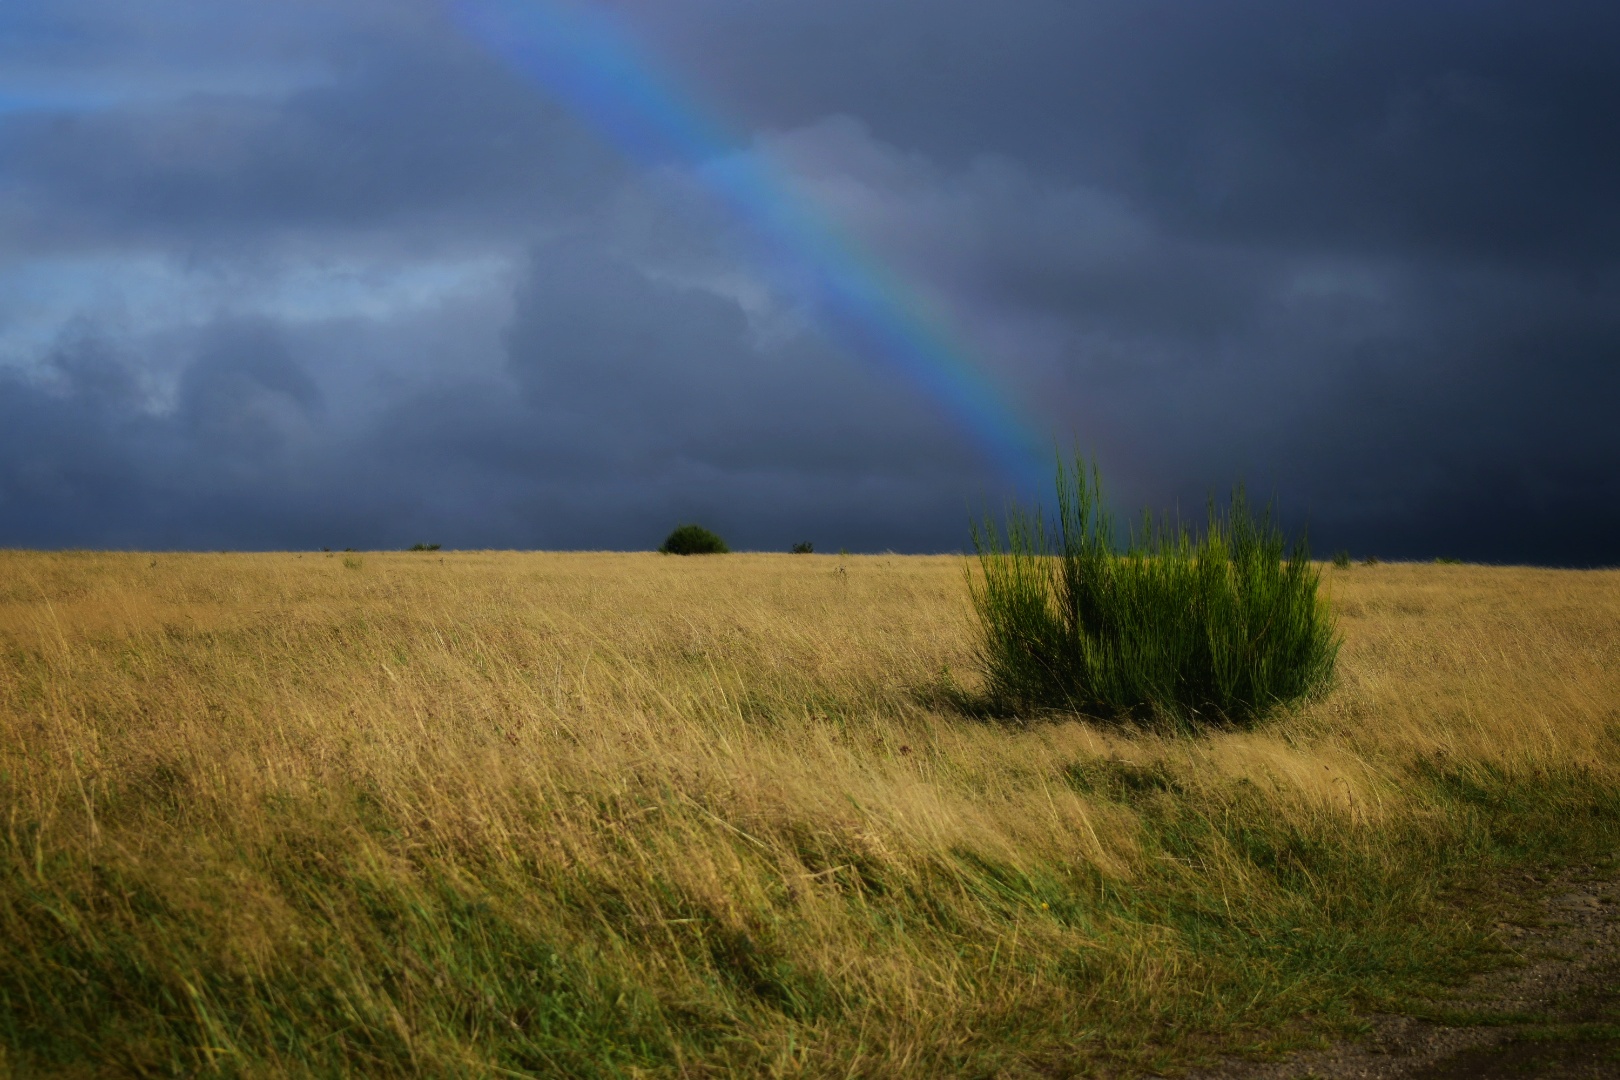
(1341, 560)
(424, 547)
(803, 548)
(1216, 627)
(693, 540)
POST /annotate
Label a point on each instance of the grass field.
(623, 815)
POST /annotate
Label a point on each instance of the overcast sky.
(287, 273)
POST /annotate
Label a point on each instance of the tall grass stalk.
(1217, 626)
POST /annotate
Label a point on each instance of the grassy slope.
(608, 815)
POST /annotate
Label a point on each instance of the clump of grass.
(693, 540)
(804, 547)
(1211, 627)
(1341, 560)
(424, 547)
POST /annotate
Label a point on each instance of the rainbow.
(595, 70)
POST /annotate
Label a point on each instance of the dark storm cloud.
(637, 404)
(239, 384)
(1463, 126)
(1370, 260)
(327, 274)
(82, 454)
(415, 143)
(677, 371)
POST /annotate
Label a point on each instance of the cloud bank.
(288, 275)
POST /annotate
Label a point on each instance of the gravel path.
(1556, 1015)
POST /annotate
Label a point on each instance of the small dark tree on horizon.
(693, 540)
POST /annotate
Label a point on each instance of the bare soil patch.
(1553, 1013)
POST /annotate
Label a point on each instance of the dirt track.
(1556, 1014)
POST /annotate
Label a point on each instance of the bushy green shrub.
(1341, 560)
(424, 547)
(693, 540)
(1212, 627)
(803, 548)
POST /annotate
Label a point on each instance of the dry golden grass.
(620, 814)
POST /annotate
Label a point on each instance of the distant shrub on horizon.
(424, 547)
(803, 548)
(693, 540)
(1341, 560)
